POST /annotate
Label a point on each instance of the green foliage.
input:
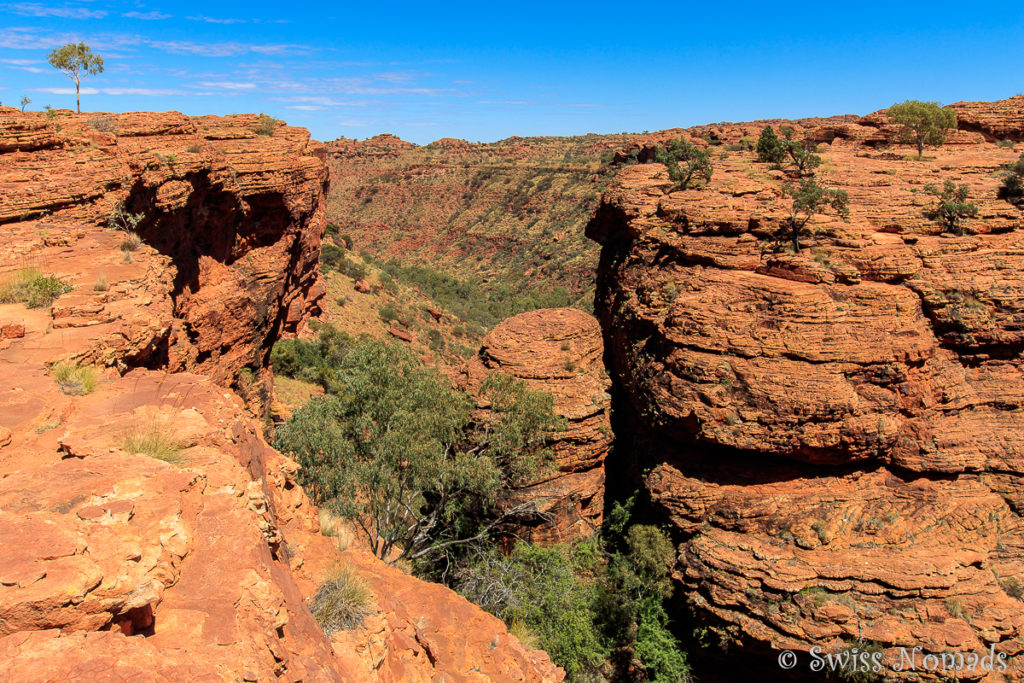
(122, 219)
(74, 379)
(696, 163)
(392, 447)
(515, 429)
(474, 302)
(30, 287)
(593, 605)
(76, 60)
(952, 207)
(25, 101)
(809, 198)
(335, 258)
(312, 361)
(801, 154)
(341, 602)
(770, 148)
(921, 123)
(545, 589)
(1012, 189)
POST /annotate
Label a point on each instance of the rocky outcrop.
(558, 351)
(147, 530)
(834, 434)
(238, 216)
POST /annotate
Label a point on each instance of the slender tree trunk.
(78, 98)
(920, 148)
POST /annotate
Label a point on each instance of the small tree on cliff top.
(809, 198)
(922, 123)
(76, 60)
(695, 163)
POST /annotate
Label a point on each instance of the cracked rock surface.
(837, 434)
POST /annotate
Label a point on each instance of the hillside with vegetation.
(498, 224)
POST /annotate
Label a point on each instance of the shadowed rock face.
(559, 351)
(239, 216)
(837, 435)
(115, 565)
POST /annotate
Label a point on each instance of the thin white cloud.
(225, 49)
(19, 62)
(147, 16)
(214, 20)
(31, 9)
(144, 92)
(65, 91)
(306, 107)
(33, 38)
(228, 85)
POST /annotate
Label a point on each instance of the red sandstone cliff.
(838, 435)
(116, 565)
(559, 351)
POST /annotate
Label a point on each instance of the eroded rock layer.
(836, 434)
(559, 351)
(238, 215)
(147, 530)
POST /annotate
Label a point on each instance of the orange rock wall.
(558, 351)
(115, 565)
(239, 216)
(837, 435)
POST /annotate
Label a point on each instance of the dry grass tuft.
(74, 379)
(342, 602)
(157, 438)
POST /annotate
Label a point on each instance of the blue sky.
(486, 70)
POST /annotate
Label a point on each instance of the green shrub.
(1012, 189)
(769, 147)
(952, 207)
(122, 219)
(540, 588)
(392, 447)
(74, 379)
(341, 602)
(32, 288)
(696, 168)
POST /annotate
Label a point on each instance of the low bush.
(266, 125)
(101, 284)
(342, 602)
(74, 379)
(122, 219)
(1012, 189)
(952, 208)
(30, 287)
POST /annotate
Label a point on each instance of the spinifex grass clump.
(156, 438)
(74, 379)
(30, 287)
(341, 602)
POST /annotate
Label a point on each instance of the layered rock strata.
(558, 351)
(238, 216)
(835, 434)
(147, 530)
